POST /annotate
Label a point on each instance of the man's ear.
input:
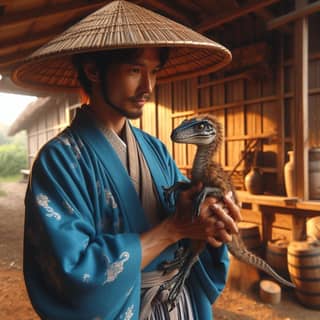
(91, 71)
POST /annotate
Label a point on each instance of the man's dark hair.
(105, 58)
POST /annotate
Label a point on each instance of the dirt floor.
(14, 303)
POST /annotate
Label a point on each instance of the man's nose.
(147, 83)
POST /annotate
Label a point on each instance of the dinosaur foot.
(206, 192)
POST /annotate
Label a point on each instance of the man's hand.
(216, 223)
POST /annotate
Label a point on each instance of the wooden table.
(269, 205)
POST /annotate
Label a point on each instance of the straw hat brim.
(120, 24)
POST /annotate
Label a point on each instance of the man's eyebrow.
(135, 63)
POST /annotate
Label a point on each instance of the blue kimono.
(82, 252)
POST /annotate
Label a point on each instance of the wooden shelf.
(267, 200)
(309, 205)
(278, 201)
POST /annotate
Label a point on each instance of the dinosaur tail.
(240, 252)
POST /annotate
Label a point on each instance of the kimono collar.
(122, 187)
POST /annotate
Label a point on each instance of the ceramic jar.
(290, 176)
(253, 181)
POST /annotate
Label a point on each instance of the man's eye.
(155, 71)
(135, 70)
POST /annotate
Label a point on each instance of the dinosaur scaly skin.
(206, 133)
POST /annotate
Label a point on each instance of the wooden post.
(300, 134)
(299, 228)
(268, 217)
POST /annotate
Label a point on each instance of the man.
(97, 224)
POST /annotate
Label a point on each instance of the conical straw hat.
(120, 24)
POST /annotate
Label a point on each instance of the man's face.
(130, 85)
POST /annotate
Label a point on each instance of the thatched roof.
(28, 114)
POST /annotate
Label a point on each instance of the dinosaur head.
(201, 130)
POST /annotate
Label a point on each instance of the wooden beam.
(216, 21)
(8, 61)
(171, 11)
(78, 6)
(31, 40)
(294, 15)
(300, 135)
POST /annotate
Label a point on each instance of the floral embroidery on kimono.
(110, 199)
(129, 313)
(86, 277)
(115, 268)
(43, 201)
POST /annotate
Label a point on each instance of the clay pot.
(253, 181)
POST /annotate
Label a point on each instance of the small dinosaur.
(206, 133)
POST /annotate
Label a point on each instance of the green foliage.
(19, 138)
(13, 158)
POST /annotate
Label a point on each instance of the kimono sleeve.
(71, 270)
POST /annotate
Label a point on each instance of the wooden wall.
(247, 105)
(253, 98)
(48, 122)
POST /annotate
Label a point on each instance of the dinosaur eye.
(201, 126)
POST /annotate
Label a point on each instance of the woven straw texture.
(121, 24)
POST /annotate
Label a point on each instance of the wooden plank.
(300, 137)
(179, 150)
(216, 21)
(253, 120)
(240, 76)
(299, 228)
(302, 12)
(277, 201)
(148, 120)
(175, 13)
(252, 58)
(309, 205)
(281, 130)
(252, 89)
(314, 121)
(192, 104)
(218, 94)
(235, 127)
(164, 114)
(73, 7)
(204, 92)
(29, 40)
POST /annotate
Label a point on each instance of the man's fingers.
(225, 218)
(214, 242)
(233, 208)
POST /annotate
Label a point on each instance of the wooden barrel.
(250, 235)
(304, 269)
(313, 228)
(276, 256)
(314, 174)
